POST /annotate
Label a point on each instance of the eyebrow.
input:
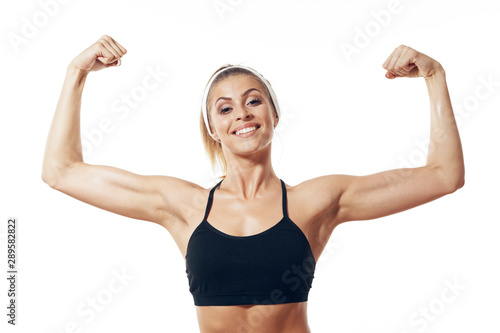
(245, 93)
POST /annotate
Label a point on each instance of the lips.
(246, 126)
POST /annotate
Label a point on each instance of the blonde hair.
(213, 148)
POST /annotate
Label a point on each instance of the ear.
(215, 136)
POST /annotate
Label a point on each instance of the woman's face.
(241, 102)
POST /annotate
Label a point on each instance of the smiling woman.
(262, 89)
(250, 269)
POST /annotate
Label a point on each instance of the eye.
(255, 101)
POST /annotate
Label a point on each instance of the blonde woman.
(251, 251)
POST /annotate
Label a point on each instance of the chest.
(245, 217)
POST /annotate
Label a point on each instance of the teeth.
(246, 130)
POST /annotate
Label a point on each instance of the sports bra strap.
(210, 198)
(283, 199)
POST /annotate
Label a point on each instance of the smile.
(246, 130)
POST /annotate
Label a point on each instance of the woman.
(250, 268)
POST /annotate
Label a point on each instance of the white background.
(341, 115)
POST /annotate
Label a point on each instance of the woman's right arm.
(159, 199)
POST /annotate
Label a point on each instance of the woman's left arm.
(445, 149)
(384, 193)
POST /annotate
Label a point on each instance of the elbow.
(455, 185)
(47, 177)
(48, 173)
(461, 183)
(48, 180)
(51, 175)
(54, 175)
(459, 180)
(450, 180)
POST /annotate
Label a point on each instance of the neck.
(249, 175)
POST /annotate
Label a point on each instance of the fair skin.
(246, 202)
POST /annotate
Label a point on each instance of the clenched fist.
(407, 62)
(104, 53)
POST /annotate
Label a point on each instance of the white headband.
(207, 88)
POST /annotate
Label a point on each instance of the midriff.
(274, 318)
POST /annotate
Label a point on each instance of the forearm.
(63, 146)
(445, 148)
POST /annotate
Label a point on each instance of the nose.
(242, 113)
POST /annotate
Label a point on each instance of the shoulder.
(183, 200)
(318, 197)
(328, 186)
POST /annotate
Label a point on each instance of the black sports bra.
(275, 266)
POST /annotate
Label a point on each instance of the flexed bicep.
(154, 198)
(389, 192)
